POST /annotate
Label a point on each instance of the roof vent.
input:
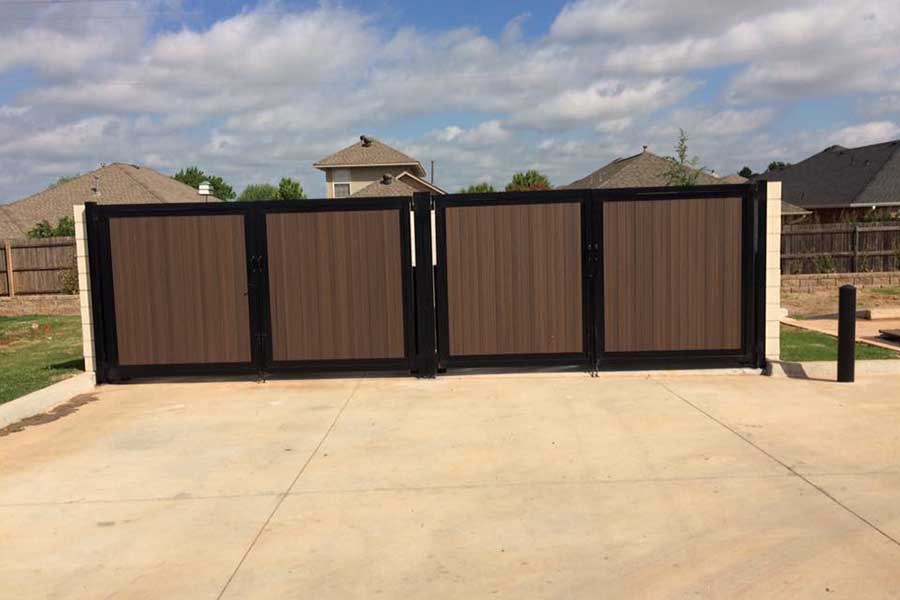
(366, 141)
(96, 187)
(645, 148)
(387, 179)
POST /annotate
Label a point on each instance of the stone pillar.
(84, 289)
(774, 312)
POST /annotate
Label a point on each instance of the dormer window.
(341, 183)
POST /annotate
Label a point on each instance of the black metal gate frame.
(254, 213)
(594, 355)
(426, 325)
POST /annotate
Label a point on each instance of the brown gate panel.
(514, 279)
(180, 289)
(336, 285)
(672, 274)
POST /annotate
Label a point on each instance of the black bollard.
(846, 367)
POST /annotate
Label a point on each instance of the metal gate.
(191, 289)
(593, 278)
(604, 278)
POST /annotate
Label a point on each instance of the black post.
(426, 349)
(846, 367)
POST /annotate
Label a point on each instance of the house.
(371, 168)
(649, 170)
(845, 184)
(641, 170)
(115, 183)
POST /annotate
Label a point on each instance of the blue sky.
(253, 91)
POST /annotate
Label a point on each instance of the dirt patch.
(825, 303)
(58, 412)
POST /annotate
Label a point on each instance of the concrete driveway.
(515, 486)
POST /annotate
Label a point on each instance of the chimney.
(387, 179)
(366, 141)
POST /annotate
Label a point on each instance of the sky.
(255, 91)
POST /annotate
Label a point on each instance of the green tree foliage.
(529, 181)
(259, 192)
(777, 165)
(683, 170)
(289, 189)
(478, 188)
(193, 177)
(64, 228)
(746, 172)
(66, 179)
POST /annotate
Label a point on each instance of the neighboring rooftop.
(370, 152)
(839, 177)
(641, 170)
(404, 184)
(115, 183)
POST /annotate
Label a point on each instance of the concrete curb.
(43, 400)
(827, 369)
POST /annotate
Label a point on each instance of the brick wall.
(40, 304)
(831, 281)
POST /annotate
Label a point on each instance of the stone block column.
(774, 312)
(84, 289)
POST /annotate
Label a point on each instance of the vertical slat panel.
(672, 274)
(335, 285)
(180, 289)
(514, 279)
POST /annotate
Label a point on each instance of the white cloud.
(866, 133)
(267, 91)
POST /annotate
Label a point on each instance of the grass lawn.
(34, 357)
(799, 345)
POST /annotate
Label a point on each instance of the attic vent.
(366, 141)
(387, 179)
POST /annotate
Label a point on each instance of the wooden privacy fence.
(39, 266)
(840, 248)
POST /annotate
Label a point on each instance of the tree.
(193, 177)
(683, 171)
(66, 179)
(529, 181)
(777, 165)
(478, 188)
(64, 228)
(746, 173)
(257, 192)
(288, 189)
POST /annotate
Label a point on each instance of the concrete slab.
(746, 538)
(172, 440)
(815, 427)
(464, 431)
(157, 549)
(551, 485)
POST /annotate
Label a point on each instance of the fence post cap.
(848, 286)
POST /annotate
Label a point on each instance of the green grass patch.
(799, 345)
(36, 351)
(886, 291)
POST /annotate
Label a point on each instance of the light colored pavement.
(535, 486)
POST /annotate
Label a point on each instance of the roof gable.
(641, 170)
(372, 154)
(115, 183)
(838, 176)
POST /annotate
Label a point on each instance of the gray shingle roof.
(641, 170)
(375, 154)
(843, 177)
(118, 184)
